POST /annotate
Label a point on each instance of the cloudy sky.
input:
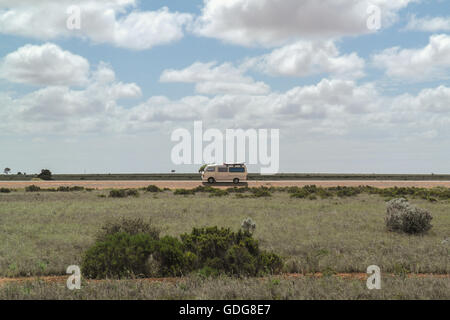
(346, 95)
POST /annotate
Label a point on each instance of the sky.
(100, 86)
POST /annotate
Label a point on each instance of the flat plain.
(42, 233)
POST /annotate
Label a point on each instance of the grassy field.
(43, 233)
(193, 288)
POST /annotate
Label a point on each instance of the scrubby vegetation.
(132, 248)
(153, 188)
(32, 188)
(123, 193)
(184, 192)
(403, 217)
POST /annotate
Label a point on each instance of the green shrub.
(224, 251)
(207, 189)
(170, 257)
(5, 190)
(184, 192)
(261, 192)
(123, 193)
(119, 255)
(218, 193)
(132, 248)
(238, 189)
(117, 193)
(402, 217)
(32, 188)
(132, 193)
(130, 226)
(300, 194)
(153, 188)
(78, 188)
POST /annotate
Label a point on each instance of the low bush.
(132, 248)
(118, 193)
(232, 253)
(184, 192)
(32, 188)
(5, 190)
(218, 193)
(119, 255)
(261, 192)
(403, 217)
(206, 189)
(132, 193)
(123, 193)
(153, 188)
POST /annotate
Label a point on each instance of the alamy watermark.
(208, 147)
(374, 281)
(374, 19)
(74, 281)
(73, 22)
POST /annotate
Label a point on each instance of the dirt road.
(193, 184)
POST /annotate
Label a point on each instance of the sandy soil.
(193, 184)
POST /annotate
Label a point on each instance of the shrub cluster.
(153, 188)
(5, 190)
(133, 249)
(69, 189)
(32, 188)
(123, 193)
(403, 217)
(312, 192)
(184, 192)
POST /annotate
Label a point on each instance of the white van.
(228, 172)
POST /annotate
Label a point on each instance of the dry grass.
(43, 233)
(304, 288)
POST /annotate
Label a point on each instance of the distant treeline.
(251, 177)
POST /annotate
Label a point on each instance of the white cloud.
(430, 62)
(109, 21)
(211, 78)
(326, 100)
(44, 65)
(429, 24)
(273, 22)
(305, 58)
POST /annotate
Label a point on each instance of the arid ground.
(42, 233)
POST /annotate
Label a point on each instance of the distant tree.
(45, 174)
(7, 170)
(19, 173)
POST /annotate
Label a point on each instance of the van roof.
(226, 164)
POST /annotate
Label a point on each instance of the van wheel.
(211, 180)
(236, 181)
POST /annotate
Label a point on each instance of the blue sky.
(106, 97)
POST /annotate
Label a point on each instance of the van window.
(237, 169)
(223, 169)
(211, 169)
